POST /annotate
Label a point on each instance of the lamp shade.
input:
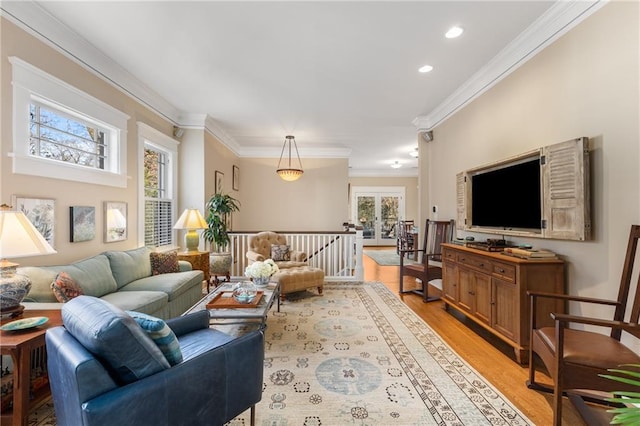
(190, 219)
(19, 238)
(289, 173)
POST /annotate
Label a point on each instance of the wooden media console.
(491, 288)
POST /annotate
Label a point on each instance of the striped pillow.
(161, 335)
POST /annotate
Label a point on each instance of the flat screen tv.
(508, 197)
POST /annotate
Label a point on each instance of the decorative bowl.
(245, 292)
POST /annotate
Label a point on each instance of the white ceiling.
(340, 76)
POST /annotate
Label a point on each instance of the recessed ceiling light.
(454, 32)
(414, 153)
(396, 165)
(425, 68)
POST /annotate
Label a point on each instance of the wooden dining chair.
(574, 358)
(435, 233)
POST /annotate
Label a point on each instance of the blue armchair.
(104, 369)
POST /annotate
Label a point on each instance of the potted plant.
(218, 209)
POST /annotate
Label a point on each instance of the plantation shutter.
(461, 196)
(158, 223)
(565, 183)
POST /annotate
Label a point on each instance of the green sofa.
(122, 278)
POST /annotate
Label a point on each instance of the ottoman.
(299, 278)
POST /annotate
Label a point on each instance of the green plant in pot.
(218, 210)
(629, 413)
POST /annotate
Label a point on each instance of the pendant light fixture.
(289, 173)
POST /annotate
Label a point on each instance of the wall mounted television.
(508, 197)
(543, 193)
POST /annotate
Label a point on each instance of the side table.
(199, 260)
(19, 345)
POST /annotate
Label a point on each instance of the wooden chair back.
(435, 234)
(625, 287)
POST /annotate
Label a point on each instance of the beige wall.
(15, 42)
(315, 202)
(585, 84)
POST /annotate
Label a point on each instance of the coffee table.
(224, 317)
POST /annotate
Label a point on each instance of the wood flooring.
(491, 357)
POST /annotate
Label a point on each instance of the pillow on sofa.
(114, 337)
(161, 335)
(65, 288)
(280, 252)
(164, 263)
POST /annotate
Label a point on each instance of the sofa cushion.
(149, 302)
(280, 252)
(130, 265)
(92, 274)
(65, 288)
(114, 337)
(173, 285)
(164, 263)
(164, 338)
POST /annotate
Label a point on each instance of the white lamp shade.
(19, 238)
(190, 219)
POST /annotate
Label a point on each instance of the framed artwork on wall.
(82, 223)
(236, 178)
(115, 221)
(41, 213)
(219, 182)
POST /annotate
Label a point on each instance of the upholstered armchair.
(270, 245)
(106, 368)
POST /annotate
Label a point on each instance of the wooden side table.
(199, 260)
(19, 345)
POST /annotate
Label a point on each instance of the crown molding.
(386, 173)
(36, 21)
(555, 22)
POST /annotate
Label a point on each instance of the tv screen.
(507, 197)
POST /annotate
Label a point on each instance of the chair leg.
(253, 415)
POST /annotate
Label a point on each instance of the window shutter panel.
(565, 183)
(461, 197)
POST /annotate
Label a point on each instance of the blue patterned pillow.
(161, 335)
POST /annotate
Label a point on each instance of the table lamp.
(191, 219)
(18, 238)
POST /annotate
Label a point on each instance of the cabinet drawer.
(476, 262)
(507, 272)
(448, 255)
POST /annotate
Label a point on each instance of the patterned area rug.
(358, 356)
(386, 257)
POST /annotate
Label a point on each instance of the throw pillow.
(65, 288)
(161, 335)
(280, 252)
(163, 263)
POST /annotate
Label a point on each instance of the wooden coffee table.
(20, 345)
(239, 316)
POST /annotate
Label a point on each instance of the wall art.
(41, 213)
(82, 223)
(236, 178)
(115, 221)
(219, 182)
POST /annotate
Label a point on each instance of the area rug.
(358, 356)
(386, 257)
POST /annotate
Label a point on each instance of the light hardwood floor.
(490, 356)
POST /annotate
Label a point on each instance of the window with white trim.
(159, 164)
(61, 132)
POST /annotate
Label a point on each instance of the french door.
(377, 210)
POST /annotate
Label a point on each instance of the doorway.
(377, 210)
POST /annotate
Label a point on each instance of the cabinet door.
(450, 282)
(466, 297)
(483, 297)
(504, 308)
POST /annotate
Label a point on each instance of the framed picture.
(219, 182)
(83, 223)
(236, 178)
(41, 213)
(115, 221)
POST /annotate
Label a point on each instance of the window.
(64, 133)
(159, 162)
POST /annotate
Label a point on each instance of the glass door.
(378, 210)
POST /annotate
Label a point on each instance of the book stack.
(529, 253)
